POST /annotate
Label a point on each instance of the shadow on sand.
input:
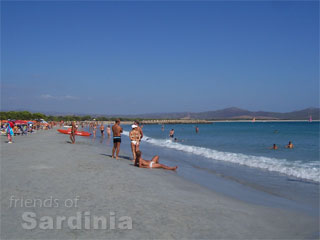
(124, 157)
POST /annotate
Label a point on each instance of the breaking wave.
(308, 171)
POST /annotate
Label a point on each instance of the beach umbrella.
(21, 122)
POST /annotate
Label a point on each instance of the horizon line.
(150, 113)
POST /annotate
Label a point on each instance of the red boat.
(78, 133)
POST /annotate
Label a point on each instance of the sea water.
(235, 158)
(248, 144)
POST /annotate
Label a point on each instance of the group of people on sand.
(275, 147)
(13, 128)
(135, 135)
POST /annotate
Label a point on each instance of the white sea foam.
(309, 171)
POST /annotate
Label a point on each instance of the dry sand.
(161, 204)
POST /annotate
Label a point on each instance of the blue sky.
(145, 57)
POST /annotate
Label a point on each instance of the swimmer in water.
(290, 145)
(171, 133)
(274, 147)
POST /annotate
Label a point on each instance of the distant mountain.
(232, 113)
(236, 113)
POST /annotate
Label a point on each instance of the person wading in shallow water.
(116, 130)
(108, 131)
(94, 130)
(102, 130)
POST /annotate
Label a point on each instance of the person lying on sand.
(154, 163)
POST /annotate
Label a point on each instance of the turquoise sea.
(247, 144)
(234, 158)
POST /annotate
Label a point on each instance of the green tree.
(86, 118)
(38, 116)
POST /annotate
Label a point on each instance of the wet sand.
(160, 203)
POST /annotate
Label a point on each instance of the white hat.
(134, 126)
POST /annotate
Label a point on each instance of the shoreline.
(251, 184)
(161, 203)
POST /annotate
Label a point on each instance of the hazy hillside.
(237, 113)
(227, 113)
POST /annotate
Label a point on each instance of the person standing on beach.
(9, 132)
(139, 128)
(135, 137)
(116, 130)
(73, 132)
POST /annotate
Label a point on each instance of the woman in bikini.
(154, 163)
(135, 138)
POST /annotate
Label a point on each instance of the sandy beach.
(81, 178)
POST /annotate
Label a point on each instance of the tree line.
(25, 115)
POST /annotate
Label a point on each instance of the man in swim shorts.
(135, 137)
(102, 130)
(154, 163)
(116, 130)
